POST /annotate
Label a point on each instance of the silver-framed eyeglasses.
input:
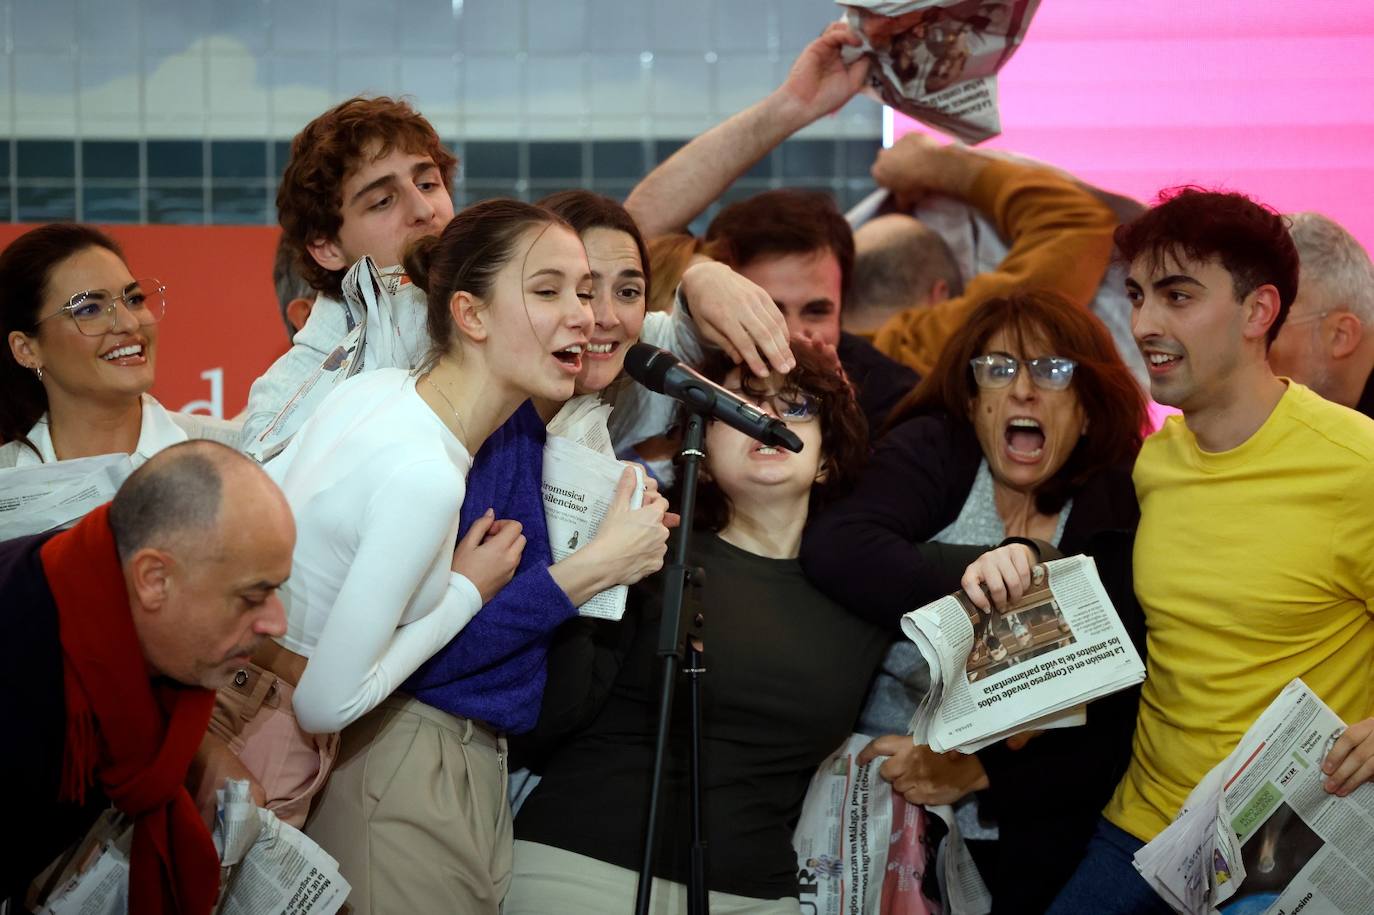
(789, 406)
(94, 311)
(997, 370)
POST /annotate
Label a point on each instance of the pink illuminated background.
(1271, 97)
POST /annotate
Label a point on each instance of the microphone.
(662, 372)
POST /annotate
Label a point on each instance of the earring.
(38, 370)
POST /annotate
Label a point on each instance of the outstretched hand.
(820, 82)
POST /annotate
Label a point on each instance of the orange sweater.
(1061, 242)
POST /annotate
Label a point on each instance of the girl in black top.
(786, 672)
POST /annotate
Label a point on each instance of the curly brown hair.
(1112, 400)
(844, 432)
(326, 152)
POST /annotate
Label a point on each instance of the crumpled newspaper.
(937, 60)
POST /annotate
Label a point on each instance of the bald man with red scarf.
(117, 633)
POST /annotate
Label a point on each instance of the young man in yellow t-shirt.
(1254, 559)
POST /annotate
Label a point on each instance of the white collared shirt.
(156, 431)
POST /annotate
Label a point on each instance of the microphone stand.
(672, 637)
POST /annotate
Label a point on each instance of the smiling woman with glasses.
(81, 337)
(1026, 428)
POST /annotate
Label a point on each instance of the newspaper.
(1259, 834)
(862, 849)
(47, 497)
(379, 307)
(581, 475)
(267, 866)
(937, 60)
(1028, 667)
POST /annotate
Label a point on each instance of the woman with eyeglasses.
(81, 345)
(1024, 435)
(786, 672)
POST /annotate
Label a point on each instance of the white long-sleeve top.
(375, 480)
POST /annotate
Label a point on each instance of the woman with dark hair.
(1026, 429)
(81, 346)
(787, 674)
(377, 481)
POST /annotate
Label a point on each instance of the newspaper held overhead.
(381, 307)
(581, 475)
(937, 60)
(46, 497)
(1259, 834)
(1030, 666)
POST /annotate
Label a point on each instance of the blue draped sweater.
(494, 669)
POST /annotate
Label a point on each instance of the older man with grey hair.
(1327, 342)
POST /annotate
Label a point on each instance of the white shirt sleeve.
(363, 653)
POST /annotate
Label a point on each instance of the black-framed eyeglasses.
(997, 370)
(94, 311)
(789, 406)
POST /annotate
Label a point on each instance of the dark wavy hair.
(325, 153)
(1250, 240)
(26, 267)
(844, 433)
(466, 257)
(780, 222)
(1112, 400)
(585, 210)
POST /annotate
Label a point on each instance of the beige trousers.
(415, 812)
(551, 881)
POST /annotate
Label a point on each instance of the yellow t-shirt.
(1253, 566)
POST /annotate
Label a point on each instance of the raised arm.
(680, 189)
(1060, 234)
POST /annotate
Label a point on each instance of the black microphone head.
(649, 365)
(784, 437)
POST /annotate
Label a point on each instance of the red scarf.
(136, 737)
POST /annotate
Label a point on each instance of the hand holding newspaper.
(46, 497)
(1027, 667)
(937, 60)
(863, 850)
(581, 475)
(1260, 834)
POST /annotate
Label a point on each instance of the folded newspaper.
(267, 866)
(1029, 666)
(381, 307)
(1259, 834)
(46, 497)
(581, 474)
(863, 850)
(937, 60)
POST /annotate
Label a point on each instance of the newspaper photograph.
(861, 848)
(937, 60)
(48, 497)
(581, 475)
(1028, 666)
(381, 306)
(1260, 835)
